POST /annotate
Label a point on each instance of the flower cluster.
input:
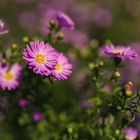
(45, 60)
(41, 57)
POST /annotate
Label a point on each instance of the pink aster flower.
(22, 102)
(3, 29)
(131, 133)
(62, 69)
(64, 20)
(119, 51)
(37, 116)
(40, 57)
(9, 77)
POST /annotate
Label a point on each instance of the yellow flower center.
(57, 67)
(8, 76)
(118, 51)
(39, 58)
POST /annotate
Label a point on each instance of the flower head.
(131, 133)
(40, 57)
(9, 77)
(63, 69)
(22, 102)
(119, 51)
(64, 20)
(37, 116)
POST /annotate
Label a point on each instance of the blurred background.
(97, 21)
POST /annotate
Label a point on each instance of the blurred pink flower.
(64, 5)
(81, 14)
(37, 116)
(22, 102)
(3, 29)
(132, 68)
(102, 17)
(131, 133)
(78, 38)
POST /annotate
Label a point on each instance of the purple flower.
(102, 17)
(40, 57)
(78, 38)
(64, 20)
(1, 24)
(3, 29)
(9, 77)
(118, 51)
(62, 69)
(131, 133)
(133, 67)
(37, 116)
(22, 102)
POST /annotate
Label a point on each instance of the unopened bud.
(128, 92)
(4, 60)
(117, 132)
(91, 66)
(94, 44)
(101, 63)
(60, 36)
(25, 39)
(70, 130)
(52, 24)
(116, 75)
(14, 46)
(130, 83)
(138, 110)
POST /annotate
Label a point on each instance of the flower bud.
(4, 60)
(116, 75)
(52, 24)
(14, 46)
(128, 92)
(70, 130)
(138, 110)
(91, 66)
(25, 39)
(101, 63)
(117, 132)
(130, 83)
(94, 43)
(60, 36)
